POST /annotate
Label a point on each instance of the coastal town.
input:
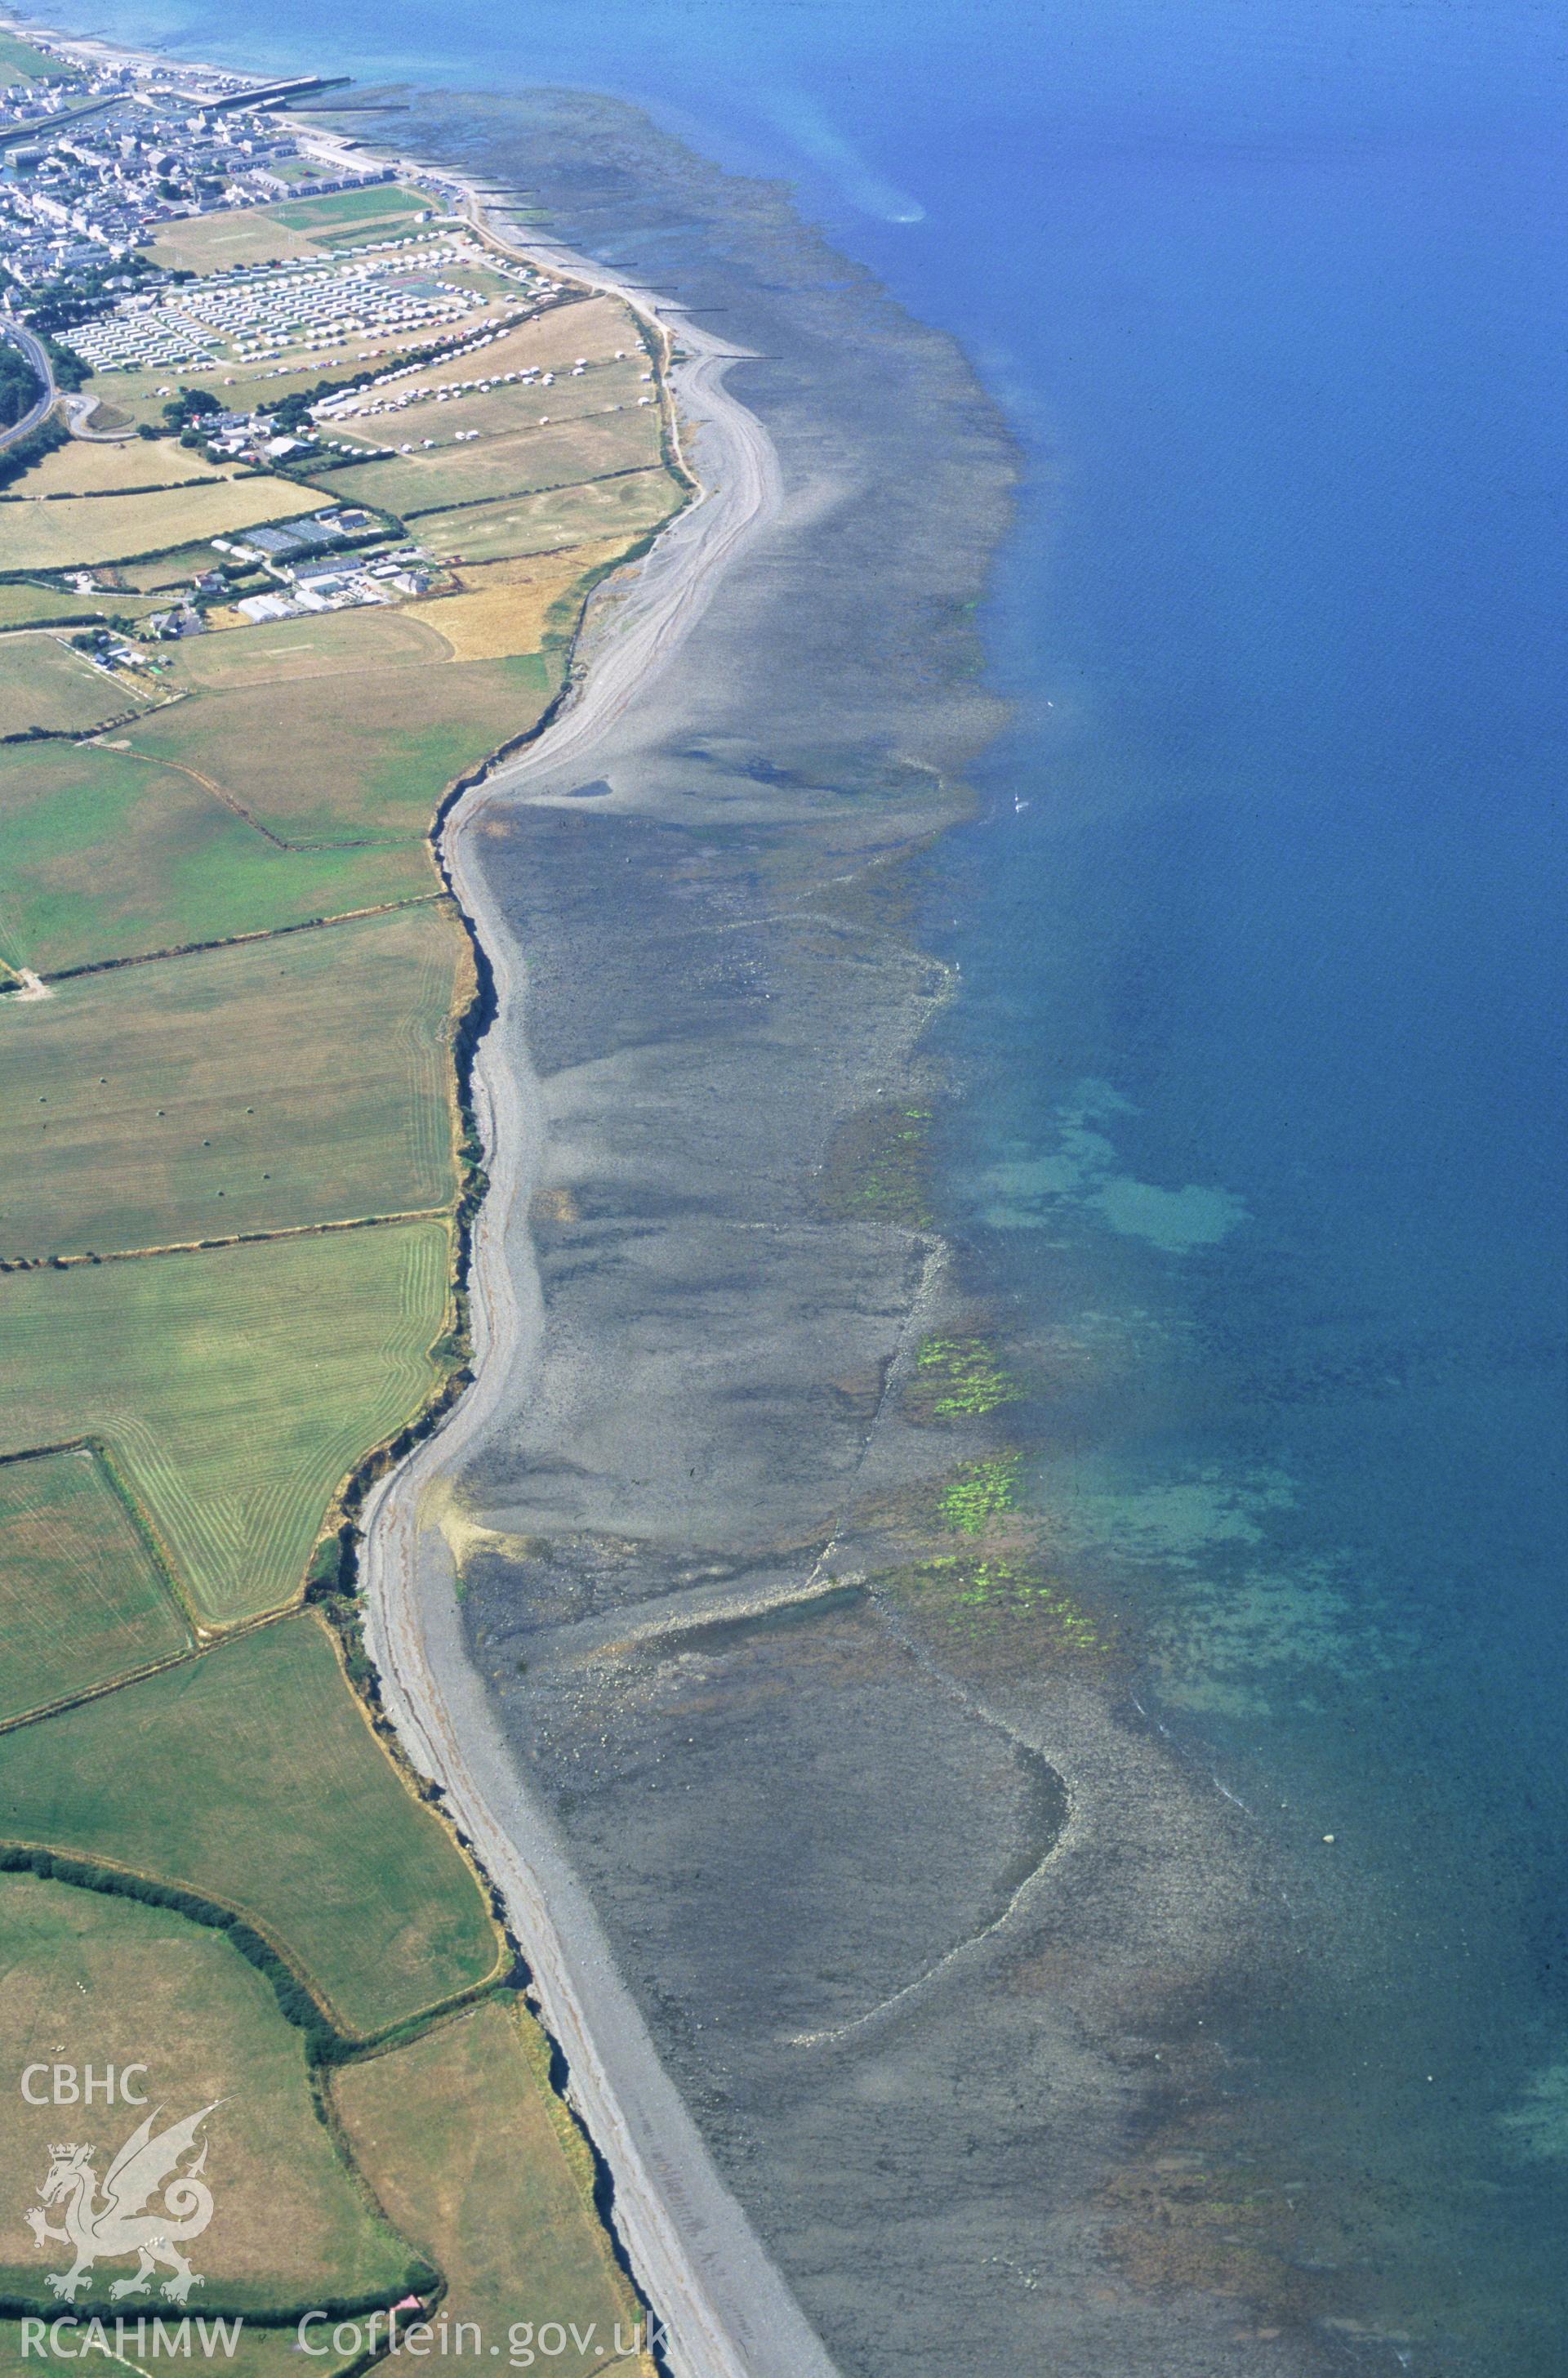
(95, 161)
(185, 261)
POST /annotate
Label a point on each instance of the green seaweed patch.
(1183, 2213)
(1539, 2123)
(877, 1166)
(958, 1378)
(985, 1594)
(980, 1494)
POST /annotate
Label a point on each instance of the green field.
(233, 1389)
(250, 382)
(250, 1776)
(82, 1600)
(483, 282)
(505, 407)
(83, 467)
(106, 417)
(216, 243)
(249, 1088)
(19, 62)
(158, 572)
(102, 857)
(25, 606)
(546, 523)
(293, 227)
(460, 2139)
(238, 1060)
(97, 1981)
(390, 206)
(518, 462)
(254, 389)
(365, 755)
(81, 529)
(43, 683)
(296, 169)
(258, 2353)
(280, 651)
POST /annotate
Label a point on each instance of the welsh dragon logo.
(118, 2220)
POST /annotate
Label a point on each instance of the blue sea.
(1259, 932)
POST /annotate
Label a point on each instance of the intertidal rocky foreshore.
(917, 1908)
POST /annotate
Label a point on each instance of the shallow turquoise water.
(1262, 1017)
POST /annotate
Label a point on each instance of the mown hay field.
(360, 756)
(517, 461)
(493, 411)
(106, 857)
(234, 1390)
(512, 607)
(216, 243)
(43, 683)
(82, 1600)
(257, 1088)
(246, 386)
(621, 508)
(250, 1776)
(278, 651)
(85, 1979)
(83, 468)
(596, 327)
(84, 529)
(584, 395)
(255, 388)
(477, 2163)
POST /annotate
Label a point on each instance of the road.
(727, 2307)
(34, 350)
